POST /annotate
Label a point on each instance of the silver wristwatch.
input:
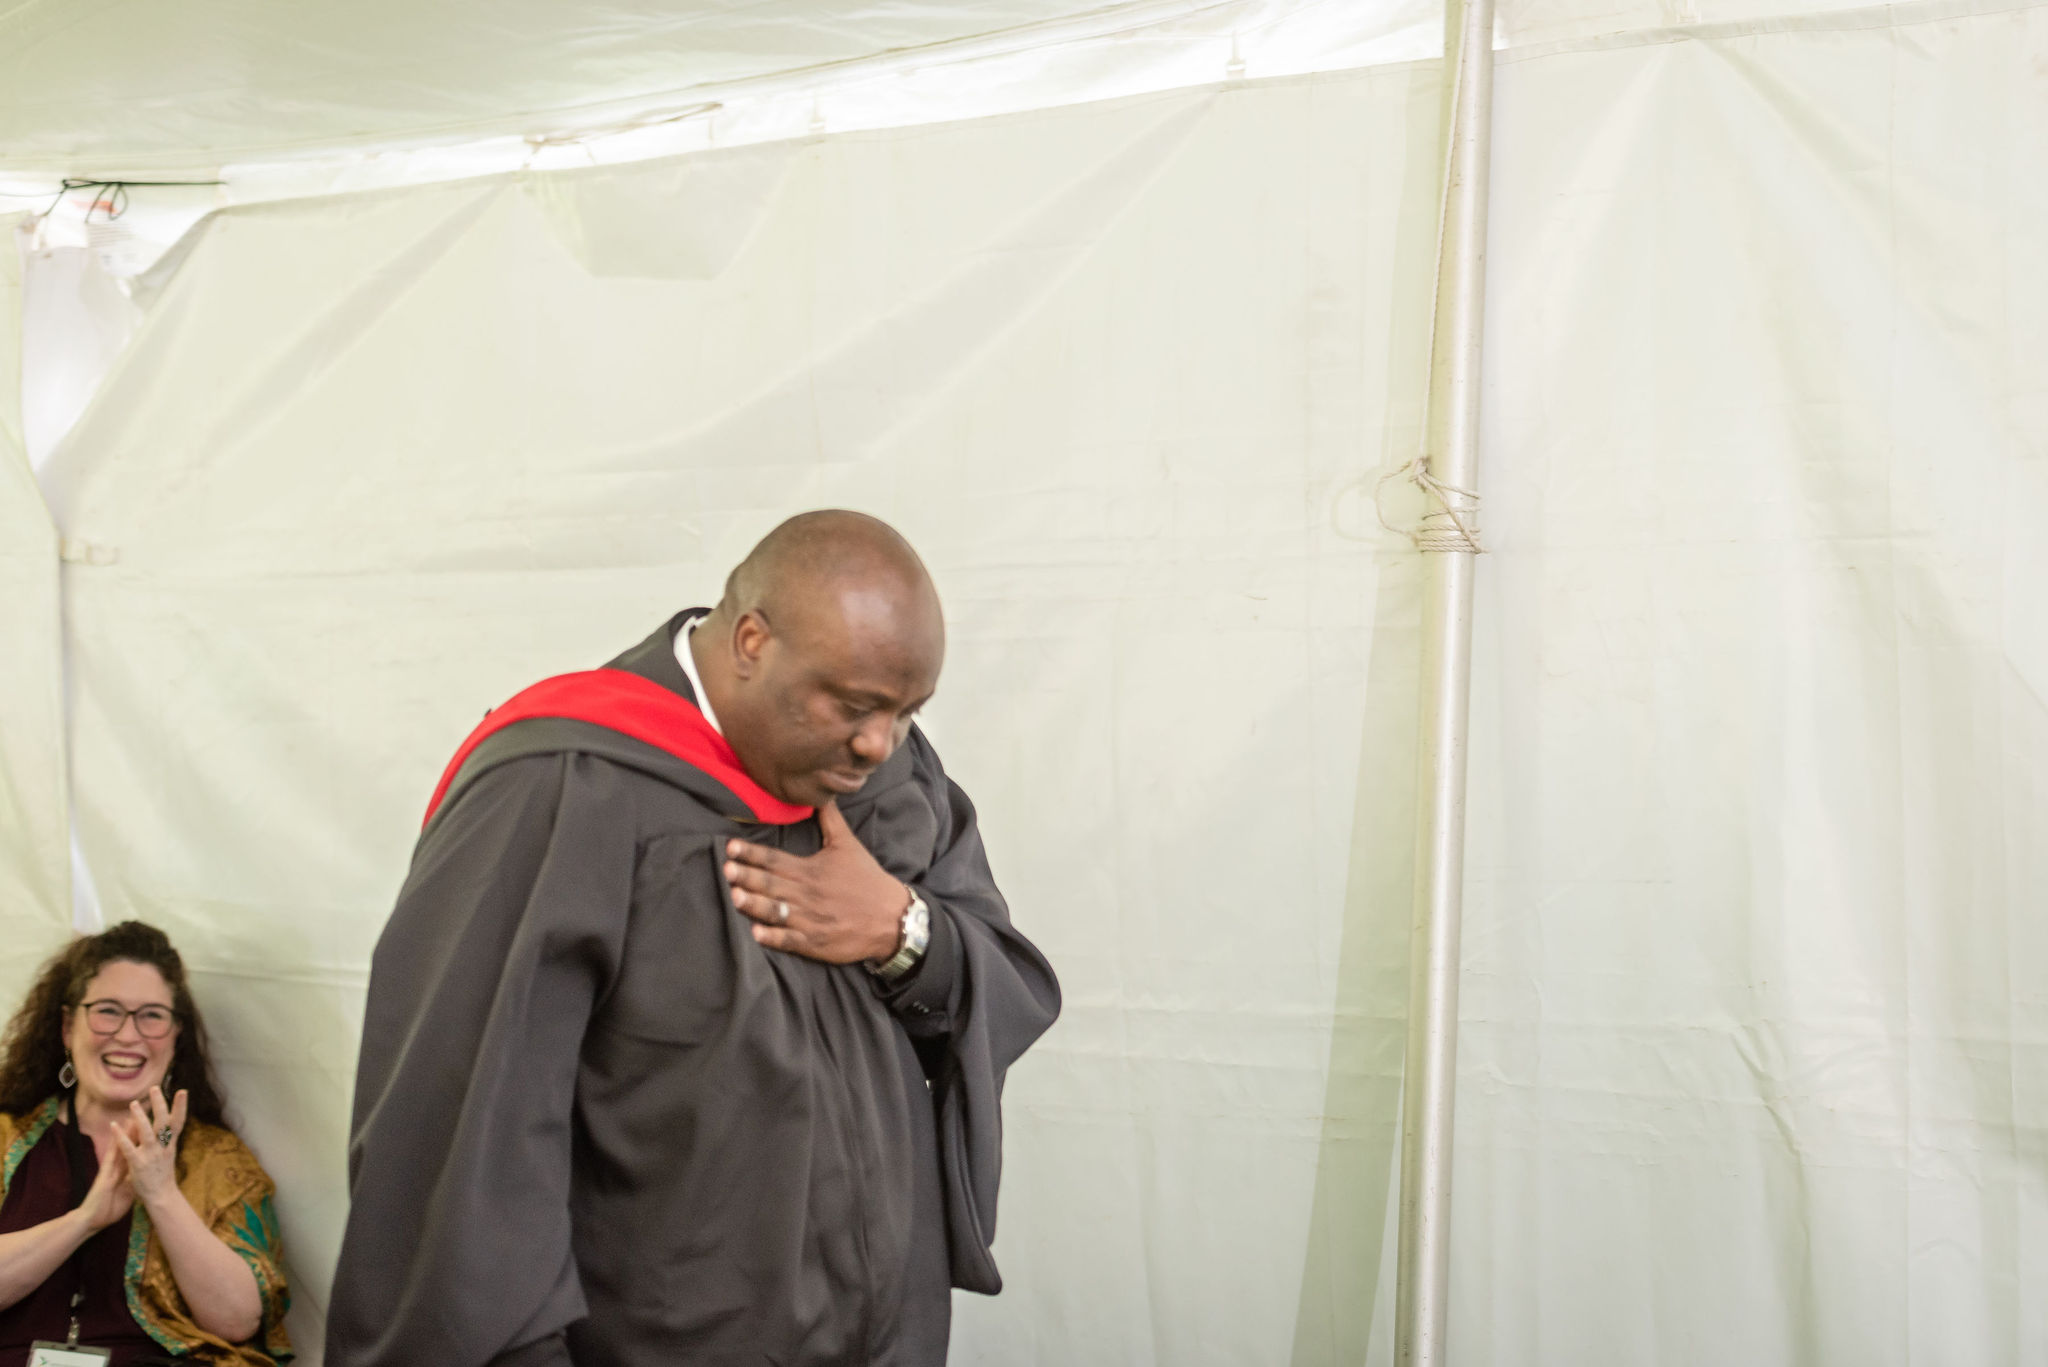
(917, 934)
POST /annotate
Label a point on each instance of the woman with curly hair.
(131, 1219)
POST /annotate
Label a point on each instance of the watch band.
(917, 936)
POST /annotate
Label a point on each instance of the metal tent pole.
(1448, 538)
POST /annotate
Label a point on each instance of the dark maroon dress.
(53, 1178)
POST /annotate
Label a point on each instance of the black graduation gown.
(596, 1123)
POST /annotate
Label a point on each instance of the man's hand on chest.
(838, 906)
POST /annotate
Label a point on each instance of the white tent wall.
(35, 887)
(76, 319)
(373, 463)
(1753, 1064)
(1755, 1041)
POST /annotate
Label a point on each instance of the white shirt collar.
(689, 664)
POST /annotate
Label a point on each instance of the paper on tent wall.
(35, 878)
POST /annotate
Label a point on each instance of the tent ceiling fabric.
(95, 86)
(130, 88)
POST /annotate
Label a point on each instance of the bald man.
(685, 1043)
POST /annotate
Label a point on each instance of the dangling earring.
(67, 1076)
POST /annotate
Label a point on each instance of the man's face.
(827, 696)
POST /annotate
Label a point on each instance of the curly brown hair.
(32, 1050)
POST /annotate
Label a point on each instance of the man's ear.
(750, 637)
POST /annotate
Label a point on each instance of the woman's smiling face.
(122, 1065)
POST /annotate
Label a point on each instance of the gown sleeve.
(982, 997)
(507, 932)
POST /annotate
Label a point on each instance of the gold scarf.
(233, 1196)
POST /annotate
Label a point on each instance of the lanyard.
(78, 1147)
(83, 1161)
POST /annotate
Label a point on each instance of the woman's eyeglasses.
(107, 1018)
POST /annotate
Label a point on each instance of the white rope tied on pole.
(1454, 527)
(1446, 530)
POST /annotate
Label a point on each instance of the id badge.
(43, 1353)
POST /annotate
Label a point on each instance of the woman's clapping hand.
(152, 1160)
(111, 1195)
